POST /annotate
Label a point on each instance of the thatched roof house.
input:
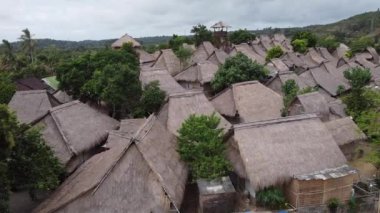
(248, 51)
(375, 55)
(145, 57)
(62, 96)
(345, 131)
(181, 105)
(249, 101)
(266, 42)
(277, 82)
(167, 82)
(326, 54)
(73, 129)
(202, 52)
(292, 59)
(310, 103)
(123, 40)
(169, 61)
(275, 151)
(259, 50)
(218, 57)
(341, 51)
(31, 83)
(142, 173)
(316, 56)
(328, 81)
(31, 105)
(279, 64)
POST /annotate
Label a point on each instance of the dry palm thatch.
(181, 105)
(327, 81)
(274, 151)
(326, 54)
(145, 57)
(316, 56)
(169, 61)
(266, 42)
(142, 173)
(251, 101)
(248, 51)
(31, 105)
(291, 59)
(218, 57)
(344, 131)
(203, 52)
(375, 55)
(62, 96)
(167, 82)
(259, 50)
(315, 103)
(202, 73)
(341, 51)
(279, 64)
(125, 39)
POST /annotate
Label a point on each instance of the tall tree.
(201, 34)
(28, 44)
(9, 57)
(183, 55)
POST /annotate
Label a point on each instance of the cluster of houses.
(132, 165)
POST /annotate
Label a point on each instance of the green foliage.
(8, 128)
(340, 89)
(300, 45)
(274, 52)
(151, 99)
(271, 198)
(177, 41)
(201, 34)
(333, 203)
(349, 54)
(32, 164)
(328, 42)
(183, 54)
(200, 144)
(290, 90)
(307, 90)
(352, 205)
(28, 44)
(7, 88)
(309, 37)
(241, 36)
(4, 188)
(369, 122)
(360, 44)
(236, 69)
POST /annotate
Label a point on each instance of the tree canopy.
(7, 88)
(274, 52)
(309, 37)
(201, 34)
(236, 69)
(241, 36)
(200, 144)
(329, 42)
(151, 99)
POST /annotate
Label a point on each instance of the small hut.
(32, 83)
(328, 82)
(142, 173)
(218, 57)
(169, 61)
(279, 65)
(281, 152)
(316, 56)
(166, 82)
(346, 134)
(203, 52)
(32, 105)
(74, 131)
(248, 51)
(248, 101)
(266, 42)
(309, 103)
(277, 82)
(124, 40)
(220, 33)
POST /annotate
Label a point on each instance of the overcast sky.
(104, 19)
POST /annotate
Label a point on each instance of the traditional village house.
(218, 57)
(124, 40)
(337, 109)
(32, 83)
(279, 65)
(279, 80)
(62, 96)
(74, 131)
(323, 51)
(248, 101)
(328, 82)
(341, 51)
(198, 76)
(316, 56)
(32, 105)
(145, 58)
(346, 134)
(169, 61)
(181, 105)
(310, 103)
(259, 49)
(283, 42)
(266, 42)
(166, 82)
(293, 61)
(248, 51)
(375, 55)
(203, 52)
(297, 154)
(140, 172)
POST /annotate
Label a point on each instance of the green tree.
(28, 44)
(4, 188)
(328, 42)
(201, 34)
(152, 99)
(290, 90)
(241, 36)
(274, 52)
(200, 144)
(360, 44)
(310, 38)
(7, 88)
(300, 45)
(236, 69)
(32, 164)
(271, 197)
(9, 57)
(177, 41)
(183, 55)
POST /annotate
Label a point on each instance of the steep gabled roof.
(259, 50)
(375, 55)
(203, 52)
(218, 57)
(202, 72)
(266, 41)
(31, 105)
(31, 83)
(326, 54)
(167, 82)
(137, 174)
(251, 100)
(316, 56)
(248, 51)
(145, 57)
(279, 64)
(327, 81)
(169, 61)
(125, 39)
(181, 105)
(315, 103)
(344, 131)
(274, 151)
(292, 76)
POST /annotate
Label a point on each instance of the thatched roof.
(326, 54)
(251, 100)
(248, 51)
(327, 81)
(344, 131)
(142, 173)
(292, 76)
(125, 39)
(167, 82)
(189, 46)
(292, 59)
(181, 105)
(145, 57)
(279, 64)
(73, 128)
(169, 61)
(337, 72)
(274, 151)
(307, 77)
(316, 56)
(340, 52)
(31, 105)
(202, 72)
(218, 57)
(129, 127)
(375, 55)
(338, 108)
(279, 37)
(62, 96)
(266, 41)
(362, 60)
(30, 83)
(203, 52)
(309, 63)
(259, 49)
(315, 103)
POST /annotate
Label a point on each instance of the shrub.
(271, 197)
(328, 42)
(151, 99)
(236, 69)
(290, 90)
(300, 45)
(7, 88)
(274, 52)
(333, 204)
(309, 37)
(360, 44)
(241, 36)
(200, 144)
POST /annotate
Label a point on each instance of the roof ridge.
(25, 92)
(275, 121)
(308, 94)
(186, 93)
(60, 107)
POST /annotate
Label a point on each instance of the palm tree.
(28, 43)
